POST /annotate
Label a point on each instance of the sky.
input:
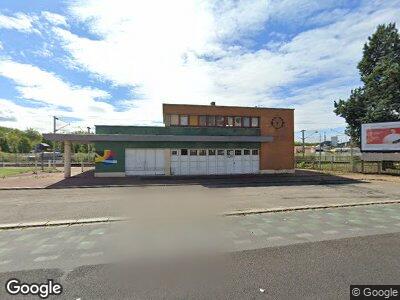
(101, 62)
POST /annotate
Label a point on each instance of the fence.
(344, 163)
(35, 159)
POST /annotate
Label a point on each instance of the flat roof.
(227, 106)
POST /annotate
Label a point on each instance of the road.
(310, 254)
(77, 203)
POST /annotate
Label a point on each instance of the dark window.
(254, 152)
(202, 152)
(221, 152)
(211, 152)
(220, 121)
(193, 152)
(238, 121)
(238, 152)
(203, 120)
(184, 151)
(174, 152)
(229, 152)
(254, 122)
(211, 121)
(246, 122)
(246, 152)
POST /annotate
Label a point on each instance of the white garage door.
(214, 161)
(144, 162)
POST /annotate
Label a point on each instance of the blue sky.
(115, 62)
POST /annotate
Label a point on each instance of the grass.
(12, 171)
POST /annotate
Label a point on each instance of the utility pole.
(320, 150)
(54, 143)
(303, 142)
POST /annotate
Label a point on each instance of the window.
(193, 152)
(174, 152)
(238, 152)
(229, 152)
(221, 152)
(229, 121)
(254, 152)
(211, 121)
(220, 120)
(202, 152)
(254, 122)
(203, 120)
(238, 121)
(211, 152)
(184, 120)
(174, 120)
(193, 121)
(246, 122)
(184, 151)
(246, 152)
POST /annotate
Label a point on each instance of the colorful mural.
(107, 158)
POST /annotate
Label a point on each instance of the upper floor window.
(174, 120)
(254, 122)
(203, 120)
(229, 121)
(220, 120)
(211, 121)
(184, 120)
(246, 122)
(238, 121)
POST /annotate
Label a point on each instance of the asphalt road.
(319, 270)
(61, 204)
(314, 254)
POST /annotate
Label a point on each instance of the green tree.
(33, 135)
(378, 100)
(24, 145)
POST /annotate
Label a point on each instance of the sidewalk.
(87, 179)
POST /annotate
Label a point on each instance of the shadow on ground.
(301, 177)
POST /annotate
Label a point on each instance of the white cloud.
(201, 51)
(55, 19)
(20, 21)
(158, 49)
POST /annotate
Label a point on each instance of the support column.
(67, 159)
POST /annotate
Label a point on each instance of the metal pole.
(320, 151)
(54, 142)
(303, 141)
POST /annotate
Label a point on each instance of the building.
(196, 140)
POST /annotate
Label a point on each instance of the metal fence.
(344, 163)
(36, 159)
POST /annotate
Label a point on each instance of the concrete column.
(67, 159)
(167, 161)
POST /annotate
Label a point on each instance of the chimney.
(212, 103)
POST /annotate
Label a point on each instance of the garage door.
(144, 161)
(214, 161)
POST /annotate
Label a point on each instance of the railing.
(344, 163)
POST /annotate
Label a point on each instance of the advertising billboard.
(380, 137)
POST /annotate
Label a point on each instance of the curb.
(228, 214)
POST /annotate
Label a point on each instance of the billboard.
(380, 137)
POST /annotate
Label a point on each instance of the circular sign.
(277, 122)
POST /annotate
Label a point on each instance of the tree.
(24, 145)
(33, 135)
(378, 100)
